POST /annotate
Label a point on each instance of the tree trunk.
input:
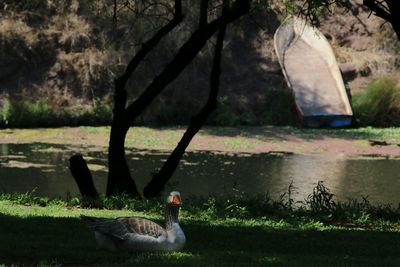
(184, 56)
(82, 176)
(119, 176)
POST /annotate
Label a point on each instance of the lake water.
(44, 169)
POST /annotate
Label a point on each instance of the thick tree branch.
(115, 16)
(378, 10)
(120, 98)
(119, 176)
(184, 56)
(203, 13)
(157, 184)
(389, 13)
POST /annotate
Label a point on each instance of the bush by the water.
(41, 113)
(379, 104)
(45, 113)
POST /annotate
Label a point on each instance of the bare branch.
(157, 184)
(377, 9)
(115, 17)
(203, 13)
(146, 48)
(184, 56)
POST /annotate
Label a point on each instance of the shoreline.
(253, 140)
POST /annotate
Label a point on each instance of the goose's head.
(172, 210)
(174, 199)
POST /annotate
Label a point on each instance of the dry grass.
(379, 59)
(12, 28)
(88, 66)
(73, 29)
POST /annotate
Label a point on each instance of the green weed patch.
(379, 103)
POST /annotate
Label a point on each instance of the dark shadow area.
(45, 239)
(68, 241)
(26, 64)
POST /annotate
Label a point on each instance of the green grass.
(25, 113)
(42, 113)
(392, 133)
(379, 103)
(96, 130)
(240, 143)
(279, 133)
(229, 231)
(67, 241)
(241, 138)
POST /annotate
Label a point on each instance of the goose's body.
(140, 234)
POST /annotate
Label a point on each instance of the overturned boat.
(311, 71)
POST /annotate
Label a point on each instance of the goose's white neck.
(171, 215)
(176, 237)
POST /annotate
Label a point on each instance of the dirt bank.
(352, 142)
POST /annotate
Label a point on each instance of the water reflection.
(44, 168)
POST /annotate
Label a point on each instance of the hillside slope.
(67, 55)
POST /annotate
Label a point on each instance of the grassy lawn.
(41, 232)
(146, 136)
(54, 236)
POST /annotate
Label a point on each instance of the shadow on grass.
(68, 241)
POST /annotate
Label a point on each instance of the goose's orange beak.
(176, 200)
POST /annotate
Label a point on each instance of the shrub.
(280, 109)
(26, 113)
(42, 113)
(227, 115)
(379, 103)
(4, 111)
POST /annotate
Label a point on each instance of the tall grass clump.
(5, 108)
(43, 113)
(26, 113)
(29, 114)
(379, 104)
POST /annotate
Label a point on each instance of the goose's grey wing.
(142, 226)
(122, 228)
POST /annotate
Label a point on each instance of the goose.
(140, 234)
